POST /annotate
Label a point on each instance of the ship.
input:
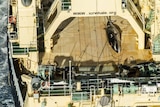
(84, 53)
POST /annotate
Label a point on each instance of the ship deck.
(84, 42)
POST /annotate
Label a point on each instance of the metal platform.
(84, 41)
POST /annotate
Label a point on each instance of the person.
(46, 75)
(124, 4)
(120, 90)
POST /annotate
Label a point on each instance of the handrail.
(66, 5)
(55, 90)
(156, 48)
(50, 11)
(18, 92)
(134, 9)
(81, 96)
(18, 50)
(22, 51)
(97, 83)
(19, 95)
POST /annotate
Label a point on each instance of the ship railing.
(16, 50)
(54, 90)
(121, 89)
(98, 83)
(156, 48)
(52, 8)
(66, 4)
(81, 96)
(15, 81)
(135, 12)
(11, 66)
(141, 85)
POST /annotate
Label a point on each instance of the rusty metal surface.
(85, 42)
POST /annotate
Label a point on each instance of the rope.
(96, 38)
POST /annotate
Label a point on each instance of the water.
(6, 98)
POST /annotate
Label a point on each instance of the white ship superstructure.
(85, 53)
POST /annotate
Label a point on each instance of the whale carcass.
(114, 36)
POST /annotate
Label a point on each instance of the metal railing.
(135, 12)
(156, 45)
(15, 80)
(51, 9)
(81, 96)
(66, 4)
(19, 51)
(53, 90)
(97, 83)
(16, 50)
(156, 48)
